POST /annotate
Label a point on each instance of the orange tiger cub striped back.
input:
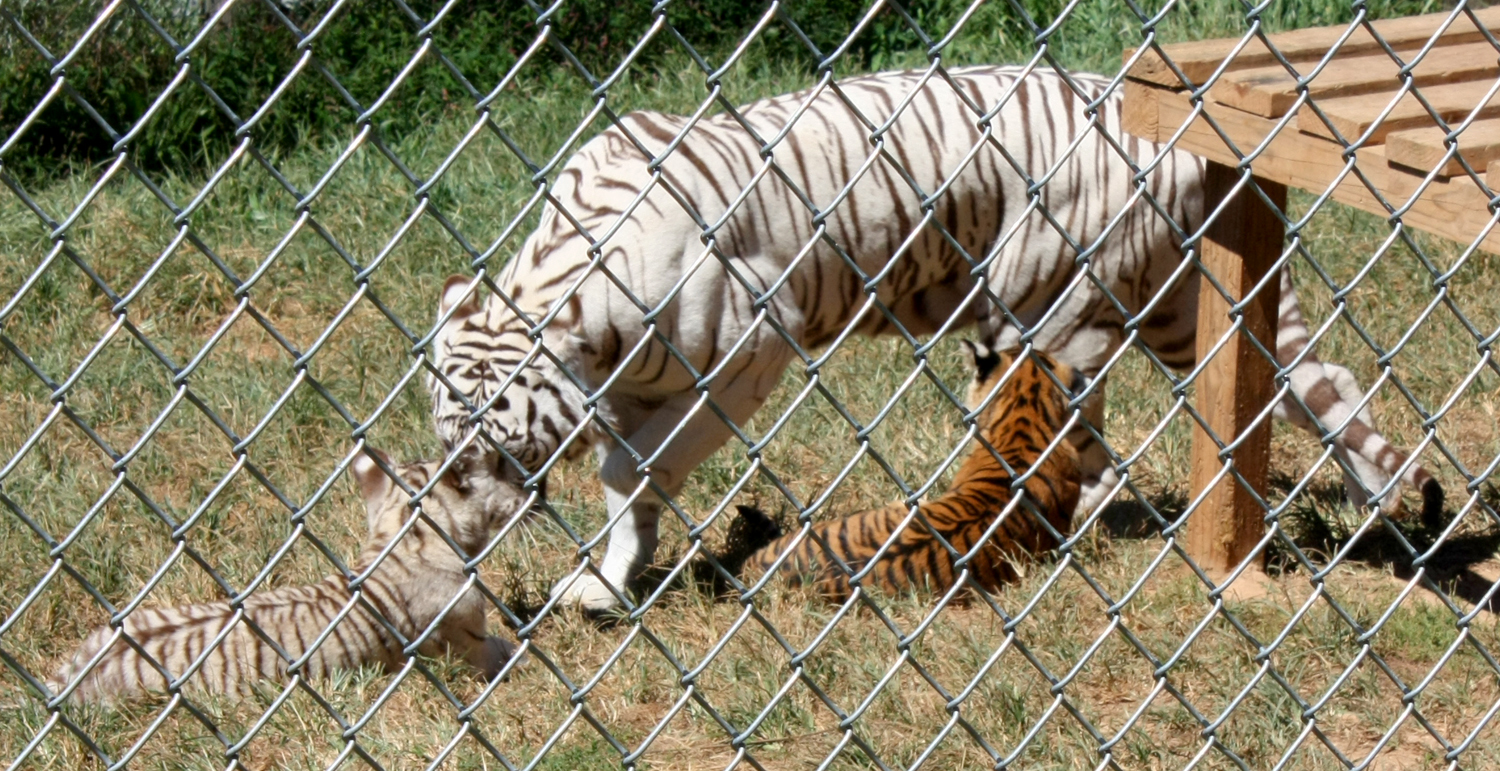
(1023, 420)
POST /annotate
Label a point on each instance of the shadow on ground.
(1321, 524)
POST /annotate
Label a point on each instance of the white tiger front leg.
(633, 537)
(462, 630)
(1098, 475)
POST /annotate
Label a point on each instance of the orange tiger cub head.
(991, 367)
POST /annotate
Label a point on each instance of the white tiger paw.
(587, 593)
(1092, 494)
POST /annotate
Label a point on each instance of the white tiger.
(715, 182)
(416, 582)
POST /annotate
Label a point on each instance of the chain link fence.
(195, 353)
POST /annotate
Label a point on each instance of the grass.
(362, 358)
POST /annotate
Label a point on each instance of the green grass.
(302, 293)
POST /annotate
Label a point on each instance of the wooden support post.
(1241, 246)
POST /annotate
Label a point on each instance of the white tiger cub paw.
(495, 653)
(587, 593)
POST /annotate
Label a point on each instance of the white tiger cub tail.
(211, 646)
(1331, 392)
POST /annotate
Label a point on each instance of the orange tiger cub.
(411, 587)
(1023, 419)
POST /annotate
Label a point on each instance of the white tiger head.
(477, 350)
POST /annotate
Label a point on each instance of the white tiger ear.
(456, 291)
(373, 483)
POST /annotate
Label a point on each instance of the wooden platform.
(1357, 89)
(1365, 111)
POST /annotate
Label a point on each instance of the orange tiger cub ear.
(455, 292)
(984, 359)
(1078, 382)
(373, 482)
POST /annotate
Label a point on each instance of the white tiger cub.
(723, 253)
(413, 584)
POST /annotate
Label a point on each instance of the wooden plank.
(1454, 209)
(1140, 112)
(1234, 387)
(1353, 115)
(1199, 59)
(1271, 91)
(1422, 149)
(1492, 177)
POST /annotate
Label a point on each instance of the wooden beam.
(1353, 115)
(1454, 209)
(1199, 59)
(1271, 91)
(1421, 149)
(1237, 383)
(1140, 115)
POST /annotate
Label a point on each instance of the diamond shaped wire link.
(427, 48)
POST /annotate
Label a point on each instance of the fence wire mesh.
(194, 357)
